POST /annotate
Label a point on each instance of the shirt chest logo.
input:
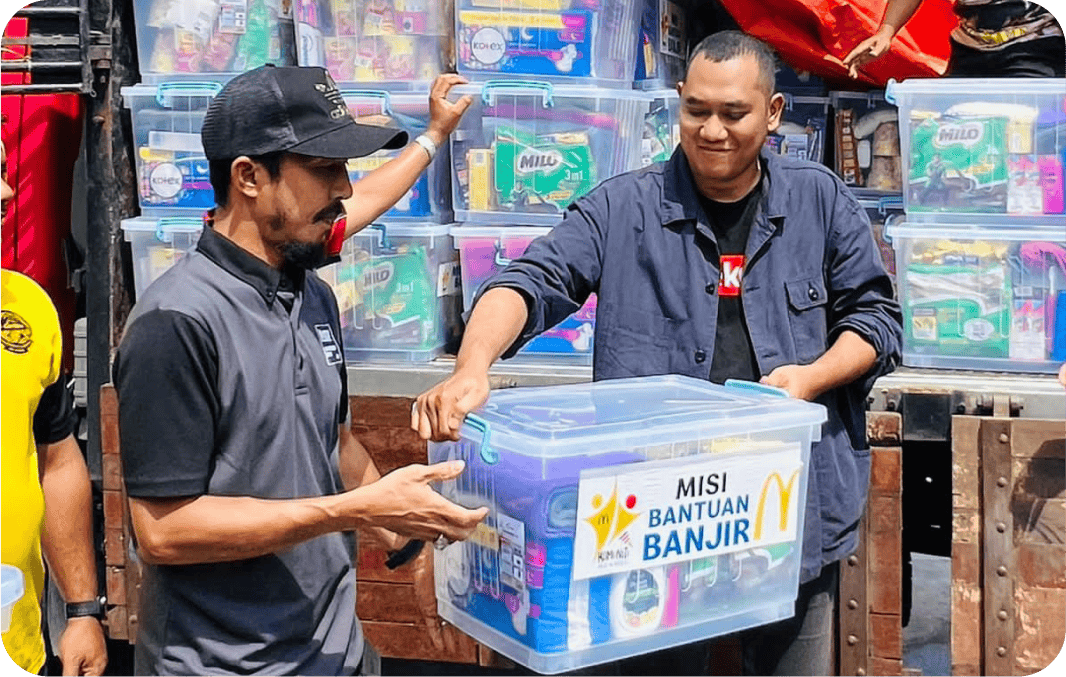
(16, 334)
(330, 348)
(731, 274)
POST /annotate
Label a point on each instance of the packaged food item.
(867, 153)
(959, 164)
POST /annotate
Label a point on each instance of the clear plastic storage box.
(484, 252)
(430, 199)
(662, 130)
(866, 132)
(626, 516)
(525, 150)
(581, 41)
(156, 244)
(397, 287)
(661, 50)
(976, 149)
(987, 299)
(212, 39)
(883, 212)
(172, 170)
(801, 134)
(392, 43)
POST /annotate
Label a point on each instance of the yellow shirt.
(32, 356)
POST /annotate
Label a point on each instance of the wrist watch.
(404, 554)
(94, 608)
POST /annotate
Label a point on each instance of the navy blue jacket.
(641, 241)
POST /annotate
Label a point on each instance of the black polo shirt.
(231, 382)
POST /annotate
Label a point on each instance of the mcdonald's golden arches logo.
(784, 494)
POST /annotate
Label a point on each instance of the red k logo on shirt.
(731, 275)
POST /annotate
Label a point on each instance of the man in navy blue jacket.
(726, 261)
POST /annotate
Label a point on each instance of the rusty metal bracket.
(998, 569)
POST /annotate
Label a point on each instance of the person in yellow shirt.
(45, 493)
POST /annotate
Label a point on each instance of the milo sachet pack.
(553, 169)
(959, 164)
(958, 301)
(390, 300)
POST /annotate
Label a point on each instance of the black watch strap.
(404, 554)
(94, 608)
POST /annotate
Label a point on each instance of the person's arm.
(495, 323)
(847, 359)
(358, 470)
(230, 528)
(381, 189)
(897, 14)
(865, 324)
(68, 549)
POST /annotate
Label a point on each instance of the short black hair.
(728, 45)
(219, 171)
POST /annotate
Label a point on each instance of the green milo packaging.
(959, 164)
(551, 169)
(958, 309)
(395, 301)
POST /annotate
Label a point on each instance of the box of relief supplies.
(394, 43)
(525, 150)
(882, 212)
(662, 44)
(626, 516)
(486, 250)
(866, 133)
(974, 150)
(397, 287)
(156, 244)
(801, 134)
(430, 199)
(988, 298)
(662, 131)
(577, 41)
(172, 170)
(212, 39)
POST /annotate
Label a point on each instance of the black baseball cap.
(295, 109)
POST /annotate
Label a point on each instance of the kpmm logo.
(784, 501)
(612, 517)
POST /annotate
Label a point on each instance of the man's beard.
(305, 255)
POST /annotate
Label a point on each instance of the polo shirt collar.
(250, 269)
(681, 200)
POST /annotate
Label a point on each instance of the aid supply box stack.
(188, 49)
(981, 259)
(556, 111)
(626, 516)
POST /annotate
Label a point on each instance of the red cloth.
(42, 134)
(814, 35)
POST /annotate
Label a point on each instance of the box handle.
(386, 100)
(753, 387)
(488, 96)
(890, 91)
(889, 202)
(171, 90)
(168, 223)
(386, 244)
(501, 260)
(488, 454)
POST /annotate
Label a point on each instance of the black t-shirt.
(55, 417)
(734, 356)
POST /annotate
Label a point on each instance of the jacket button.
(813, 294)
(711, 288)
(700, 356)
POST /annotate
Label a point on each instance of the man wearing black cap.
(244, 480)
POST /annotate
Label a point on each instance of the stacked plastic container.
(557, 109)
(188, 49)
(626, 516)
(981, 259)
(397, 283)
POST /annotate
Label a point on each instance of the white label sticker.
(662, 512)
(448, 280)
